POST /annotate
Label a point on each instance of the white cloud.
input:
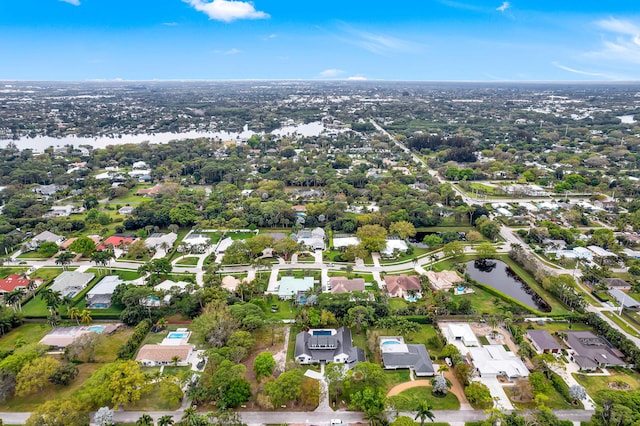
(588, 73)
(504, 6)
(331, 73)
(379, 44)
(170, 24)
(227, 10)
(232, 51)
(73, 2)
(623, 46)
(357, 78)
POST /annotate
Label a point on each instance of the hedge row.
(127, 350)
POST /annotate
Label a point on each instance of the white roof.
(289, 286)
(106, 285)
(530, 207)
(157, 240)
(464, 332)
(168, 284)
(340, 242)
(392, 245)
(494, 359)
(71, 280)
(599, 251)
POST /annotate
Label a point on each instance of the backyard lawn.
(593, 384)
(25, 335)
(188, 261)
(395, 377)
(410, 398)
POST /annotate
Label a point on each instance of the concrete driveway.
(497, 392)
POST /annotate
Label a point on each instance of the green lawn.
(32, 255)
(124, 274)
(188, 261)
(556, 326)
(213, 236)
(26, 333)
(555, 402)
(153, 338)
(593, 384)
(367, 276)
(111, 312)
(395, 377)
(285, 310)
(402, 258)
(152, 400)
(6, 271)
(299, 273)
(409, 400)
(240, 235)
(622, 323)
(47, 273)
(396, 304)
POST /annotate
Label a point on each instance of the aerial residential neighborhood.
(361, 266)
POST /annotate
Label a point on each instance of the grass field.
(367, 276)
(555, 402)
(152, 400)
(25, 334)
(188, 261)
(6, 271)
(593, 384)
(409, 400)
(395, 377)
(240, 235)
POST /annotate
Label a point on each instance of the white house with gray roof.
(396, 355)
(70, 283)
(327, 345)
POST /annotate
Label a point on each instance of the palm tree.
(13, 298)
(175, 360)
(145, 420)
(166, 420)
(85, 317)
(74, 314)
(493, 322)
(52, 298)
(160, 324)
(424, 412)
(64, 259)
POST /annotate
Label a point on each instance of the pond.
(499, 276)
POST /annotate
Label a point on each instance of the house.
(160, 241)
(168, 285)
(339, 285)
(196, 243)
(396, 354)
(401, 285)
(61, 211)
(117, 241)
(125, 210)
(495, 360)
(70, 283)
(99, 297)
(394, 246)
(632, 254)
(624, 299)
(460, 333)
(342, 241)
(156, 355)
(15, 281)
(139, 165)
(290, 286)
(591, 352)
(311, 238)
(443, 279)
(600, 252)
(61, 337)
(149, 192)
(327, 345)
(543, 342)
(45, 237)
(48, 190)
(618, 283)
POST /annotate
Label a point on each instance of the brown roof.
(344, 285)
(163, 353)
(405, 282)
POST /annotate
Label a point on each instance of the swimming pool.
(97, 328)
(390, 342)
(99, 306)
(321, 332)
(177, 335)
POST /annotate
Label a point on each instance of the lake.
(40, 143)
(499, 276)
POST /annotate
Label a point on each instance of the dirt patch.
(619, 386)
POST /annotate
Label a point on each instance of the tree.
(47, 249)
(286, 247)
(166, 420)
(440, 386)
(34, 375)
(184, 214)
(577, 392)
(285, 388)
(360, 316)
(85, 317)
(215, 325)
(59, 412)
(121, 382)
(104, 416)
(479, 395)
(403, 421)
(74, 314)
(371, 402)
(454, 249)
(486, 250)
(423, 412)
(14, 298)
(263, 365)
(83, 245)
(144, 420)
(64, 259)
(64, 374)
(372, 237)
(463, 372)
(402, 229)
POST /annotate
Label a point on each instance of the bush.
(127, 350)
(64, 374)
(561, 387)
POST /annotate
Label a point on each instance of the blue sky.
(332, 39)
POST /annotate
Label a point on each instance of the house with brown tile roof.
(339, 285)
(400, 285)
(154, 355)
